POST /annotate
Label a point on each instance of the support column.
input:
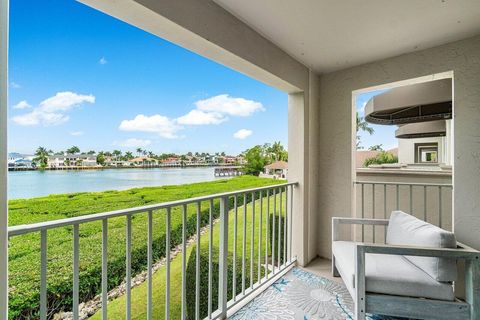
(298, 172)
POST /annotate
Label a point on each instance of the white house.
(71, 160)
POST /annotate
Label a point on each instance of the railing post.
(76, 270)
(104, 268)
(223, 263)
(43, 274)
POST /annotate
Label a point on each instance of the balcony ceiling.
(329, 35)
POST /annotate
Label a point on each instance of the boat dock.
(230, 171)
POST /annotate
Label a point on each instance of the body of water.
(30, 184)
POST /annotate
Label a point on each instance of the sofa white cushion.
(404, 229)
(388, 274)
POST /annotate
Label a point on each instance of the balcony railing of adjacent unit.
(266, 259)
(427, 201)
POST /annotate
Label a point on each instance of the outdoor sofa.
(412, 275)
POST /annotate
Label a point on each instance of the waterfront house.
(143, 162)
(20, 161)
(172, 162)
(21, 164)
(117, 163)
(71, 161)
(230, 160)
(277, 170)
(240, 160)
(12, 156)
(322, 54)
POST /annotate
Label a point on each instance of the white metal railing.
(428, 201)
(273, 203)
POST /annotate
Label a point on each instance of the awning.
(419, 102)
(422, 130)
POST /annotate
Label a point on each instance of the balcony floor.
(309, 293)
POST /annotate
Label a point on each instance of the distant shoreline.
(124, 167)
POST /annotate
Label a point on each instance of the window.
(426, 153)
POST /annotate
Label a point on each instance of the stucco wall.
(334, 187)
(406, 149)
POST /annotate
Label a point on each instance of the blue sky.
(384, 135)
(79, 77)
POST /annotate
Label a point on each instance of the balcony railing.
(269, 256)
(427, 201)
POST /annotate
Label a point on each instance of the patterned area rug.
(300, 295)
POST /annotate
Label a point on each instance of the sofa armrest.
(336, 221)
(459, 253)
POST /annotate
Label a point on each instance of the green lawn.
(116, 308)
(24, 254)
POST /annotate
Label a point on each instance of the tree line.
(257, 157)
(42, 154)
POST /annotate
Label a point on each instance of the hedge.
(204, 267)
(277, 234)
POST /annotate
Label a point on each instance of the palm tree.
(276, 151)
(41, 157)
(128, 155)
(362, 125)
(117, 154)
(139, 151)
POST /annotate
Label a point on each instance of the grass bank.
(116, 308)
(24, 254)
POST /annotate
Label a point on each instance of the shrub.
(277, 235)
(381, 158)
(191, 279)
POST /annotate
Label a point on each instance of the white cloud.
(225, 104)
(51, 111)
(362, 108)
(133, 142)
(22, 105)
(198, 117)
(64, 101)
(211, 111)
(76, 133)
(37, 117)
(161, 125)
(102, 60)
(15, 85)
(242, 134)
